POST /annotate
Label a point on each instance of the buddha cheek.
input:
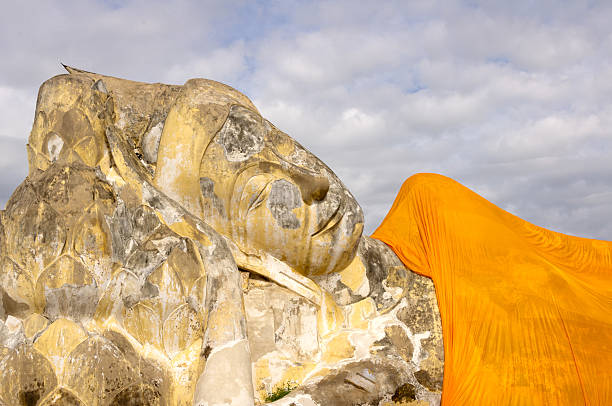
(264, 231)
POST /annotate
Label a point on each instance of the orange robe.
(526, 312)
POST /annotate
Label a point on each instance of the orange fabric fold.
(526, 312)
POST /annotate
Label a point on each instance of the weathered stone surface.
(26, 376)
(119, 255)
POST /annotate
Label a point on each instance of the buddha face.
(266, 192)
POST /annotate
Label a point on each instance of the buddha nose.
(313, 187)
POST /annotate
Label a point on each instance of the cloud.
(13, 166)
(514, 100)
(225, 64)
(17, 107)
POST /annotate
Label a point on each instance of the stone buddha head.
(254, 183)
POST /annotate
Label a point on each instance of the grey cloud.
(138, 39)
(17, 107)
(498, 89)
(513, 100)
(13, 166)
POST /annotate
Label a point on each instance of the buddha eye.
(259, 197)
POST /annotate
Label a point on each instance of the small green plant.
(280, 391)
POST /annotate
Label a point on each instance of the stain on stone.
(214, 288)
(416, 317)
(427, 381)
(109, 109)
(400, 342)
(242, 135)
(342, 294)
(2, 311)
(38, 234)
(207, 186)
(376, 271)
(137, 395)
(131, 292)
(143, 262)
(103, 192)
(404, 393)
(145, 222)
(363, 380)
(155, 202)
(149, 290)
(74, 125)
(12, 307)
(150, 143)
(29, 374)
(335, 390)
(70, 301)
(353, 216)
(121, 232)
(100, 86)
(284, 197)
(383, 342)
(30, 398)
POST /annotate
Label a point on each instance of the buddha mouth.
(332, 222)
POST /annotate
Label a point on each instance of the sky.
(512, 99)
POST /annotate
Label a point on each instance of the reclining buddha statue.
(170, 246)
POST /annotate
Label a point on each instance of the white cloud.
(513, 100)
(13, 166)
(17, 107)
(226, 64)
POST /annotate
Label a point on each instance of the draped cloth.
(526, 312)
